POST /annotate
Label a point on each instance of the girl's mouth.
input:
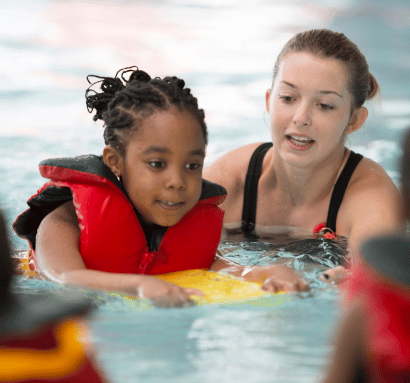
(168, 205)
(299, 142)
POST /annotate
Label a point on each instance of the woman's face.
(310, 109)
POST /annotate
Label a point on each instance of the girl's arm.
(59, 259)
(274, 278)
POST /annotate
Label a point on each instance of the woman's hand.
(335, 275)
(165, 294)
(273, 278)
(276, 278)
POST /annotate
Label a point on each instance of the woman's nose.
(302, 117)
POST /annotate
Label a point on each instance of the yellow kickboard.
(217, 287)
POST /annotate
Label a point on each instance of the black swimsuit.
(251, 188)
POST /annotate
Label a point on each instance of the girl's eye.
(326, 107)
(157, 164)
(193, 166)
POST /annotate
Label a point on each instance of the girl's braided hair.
(123, 103)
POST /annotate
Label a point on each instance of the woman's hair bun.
(373, 87)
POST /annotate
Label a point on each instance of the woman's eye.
(285, 98)
(157, 164)
(193, 166)
(326, 107)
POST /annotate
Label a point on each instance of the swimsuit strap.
(250, 194)
(251, 188)
(340, 188)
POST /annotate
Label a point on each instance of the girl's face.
(310, 109)
(162, 169)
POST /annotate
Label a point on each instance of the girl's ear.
(357, 120)
(113, 160)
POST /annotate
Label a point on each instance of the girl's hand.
(276, 278)
(165, 294)
(335, 275)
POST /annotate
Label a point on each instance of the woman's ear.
(267, 98)
(357, 119)
(113, 160)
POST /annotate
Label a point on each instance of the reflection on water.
(309, 255)
(286, 249)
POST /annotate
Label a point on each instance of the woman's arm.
(274, 278)
(378, 213)
(372, 207)
(59, 259)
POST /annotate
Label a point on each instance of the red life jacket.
(112, 238)
(380, 282)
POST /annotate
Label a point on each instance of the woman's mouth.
(299, 142)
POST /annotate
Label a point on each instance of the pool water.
(279, 338)
(225, 50)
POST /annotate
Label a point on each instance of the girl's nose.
(301, 117)
(175, 179)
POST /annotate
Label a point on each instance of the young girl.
(306, 177)
(143, 207)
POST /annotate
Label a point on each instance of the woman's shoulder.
(234, 163)
(230, 172)
(371, 176)
(238, 156)
(372, 203)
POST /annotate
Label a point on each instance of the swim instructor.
(306, 177)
